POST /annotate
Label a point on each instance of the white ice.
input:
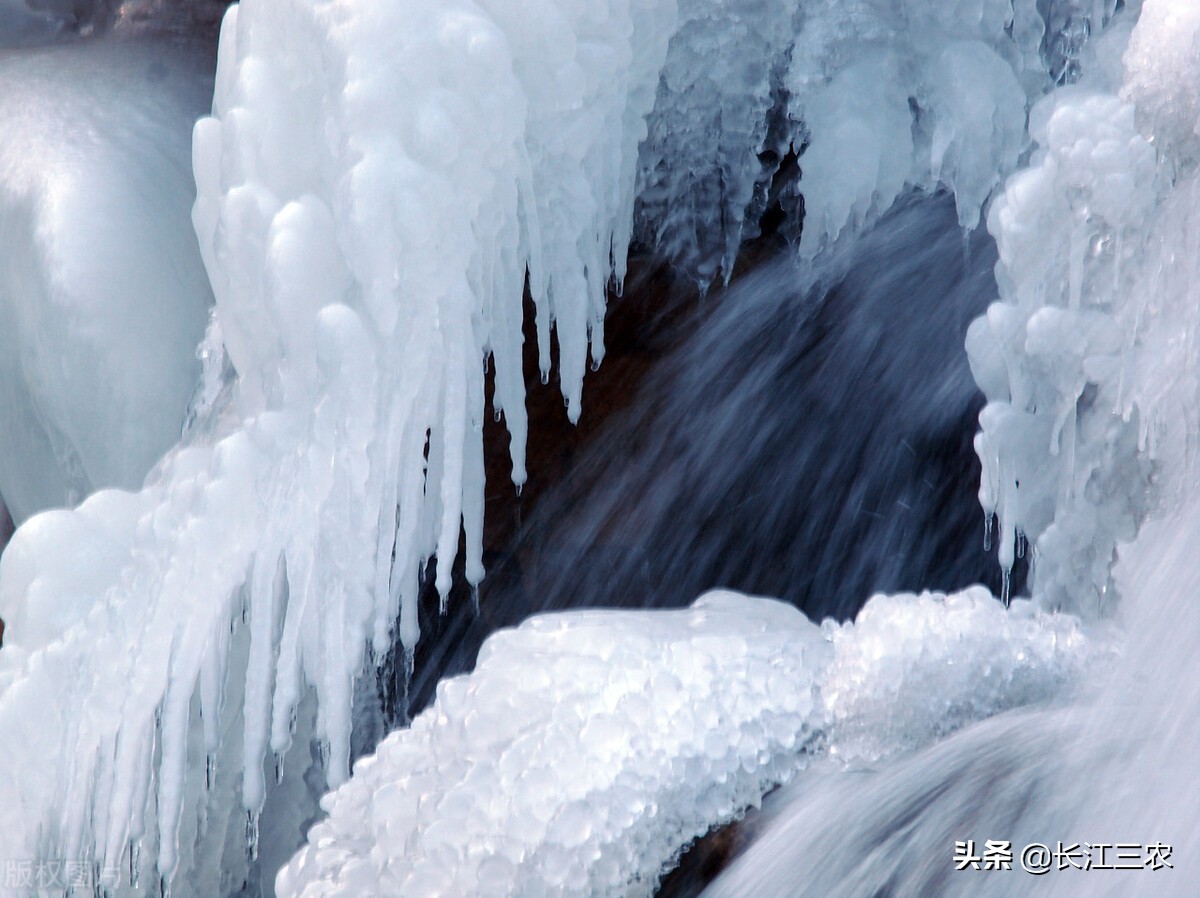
(374, 185)
(1089, 384)
(588, 748)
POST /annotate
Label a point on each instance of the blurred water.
(811, 444)
(1115, 765)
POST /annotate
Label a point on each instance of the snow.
(587, 748)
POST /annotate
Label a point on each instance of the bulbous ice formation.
(1087, 380)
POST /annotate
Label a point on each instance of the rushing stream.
(811, 444)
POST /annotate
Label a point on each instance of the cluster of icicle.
(587, 748)
(879, 94)
(376, 184)
(1085, 360)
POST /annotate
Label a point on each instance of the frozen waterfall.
(381, 190)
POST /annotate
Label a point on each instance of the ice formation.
(375, 184)
(896, 93)
(1087, 380)
(877, 94)
(103, 295)
(588, 748)
(699, 174)
(357, 327)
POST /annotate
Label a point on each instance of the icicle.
(135, 864)
(409, 665)
(278, 768)
(286, 230)
(1006, 586)
(252, 836)
(1020, 543)
(988, 518)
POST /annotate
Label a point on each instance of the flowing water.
(808, 443)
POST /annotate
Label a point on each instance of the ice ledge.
(587, 748)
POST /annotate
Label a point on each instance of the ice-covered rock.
(588, 748)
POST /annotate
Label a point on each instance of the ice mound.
(103, 296)
(911, 669)
(588, 748)
(577, 759)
